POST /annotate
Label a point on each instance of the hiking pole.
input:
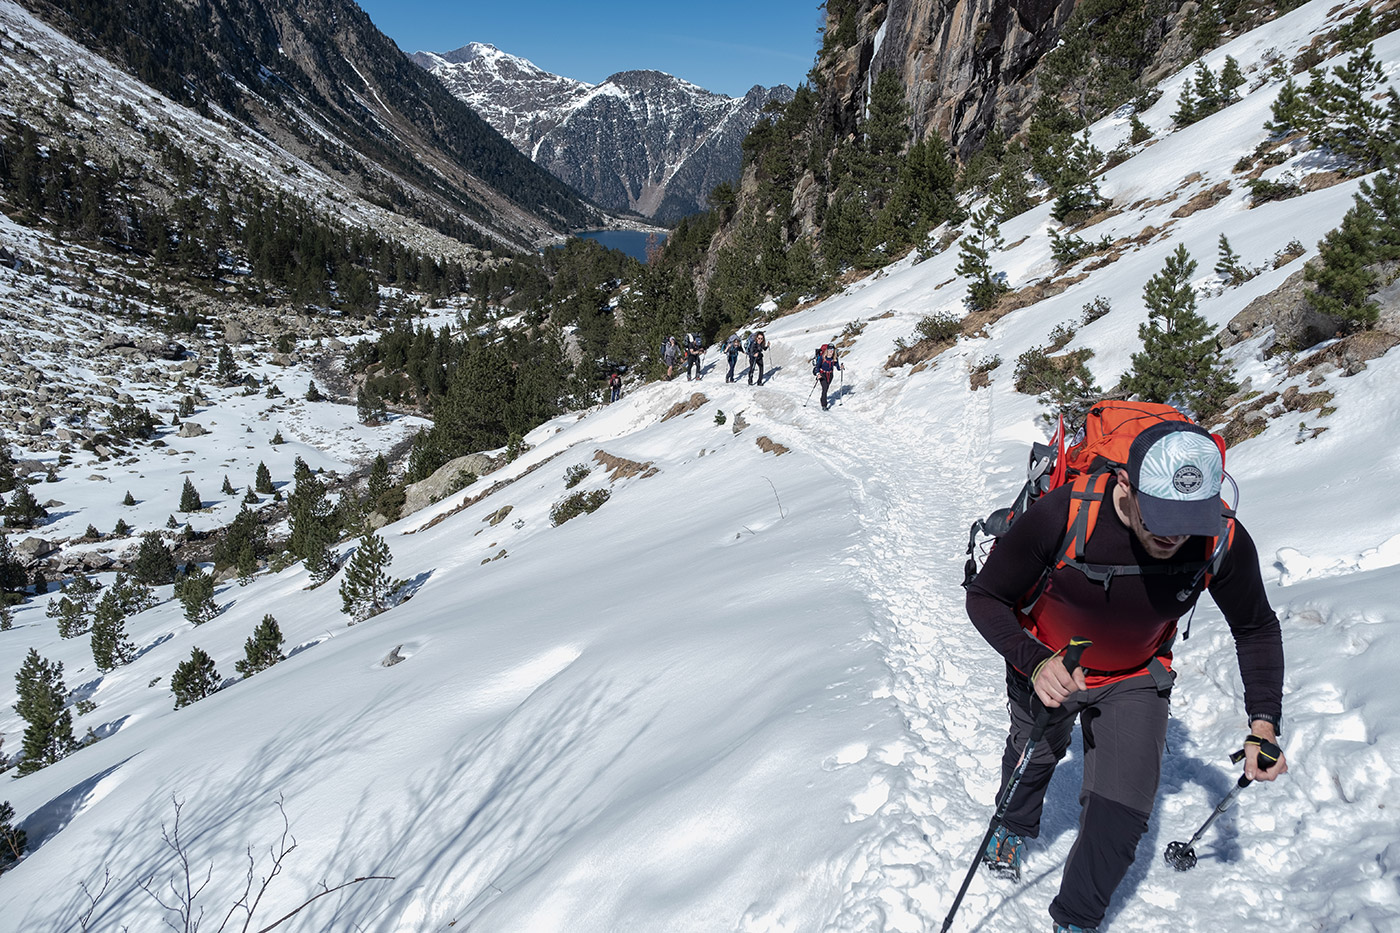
(1042, 719)
(1181, 855)
(810, 391)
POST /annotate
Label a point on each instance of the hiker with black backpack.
(1112, 558)
(694, 353)
(758, 345)
(732, 348)
(824, 367)
(615, 386)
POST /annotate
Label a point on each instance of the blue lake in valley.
(631, 242)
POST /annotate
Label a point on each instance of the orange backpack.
(1087, 465)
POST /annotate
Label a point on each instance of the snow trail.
(917, 484)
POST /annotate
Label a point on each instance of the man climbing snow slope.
(1144, 564)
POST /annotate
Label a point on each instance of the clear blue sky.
(726, 46)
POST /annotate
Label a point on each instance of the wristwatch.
(1270, 718)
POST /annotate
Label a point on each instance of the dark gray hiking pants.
(1125, 731)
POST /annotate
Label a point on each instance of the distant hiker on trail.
(670, 352)
(1149, 553)
(824, 367)
(615, 383)
(694, 353)
(758, 345)
(732, 348)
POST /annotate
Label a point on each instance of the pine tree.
(262, 480)
(154, 564)
(378, 482)
(1208, 96)
(975, 254)
(12, 576)
(366, 586)
(1344, 271)
(121, 529)
(1186, 106)
(247, 564)
(7, 616)
(1179, 364)
(1231, 79)
(1345, 117)
(227, 488)
(262, 649)
(132, 595)
(369, 406)
(24, 511)
(48, 733)
(189, 498)
(313, 394)
(314, 529)
(197, 596)
(194, 679)
(1228, 266)
(1078, 193)
(227, 368)
(110, 646)
(128, 499)
(1289, 110)
(12, 839)
(8, 467)
(72, 609)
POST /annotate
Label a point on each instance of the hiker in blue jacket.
(732, 349)
(824, 367)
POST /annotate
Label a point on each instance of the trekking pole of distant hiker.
(1181, 855)
(1042, 719)
(811, 390)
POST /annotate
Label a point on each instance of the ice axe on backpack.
(1042, 719)
(1182, 855)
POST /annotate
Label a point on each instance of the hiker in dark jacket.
(615, 384)
(1120, 694)
(758, 345)
(824, 368)
(732, 348)
(694, 353)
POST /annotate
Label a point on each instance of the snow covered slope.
(743, 695)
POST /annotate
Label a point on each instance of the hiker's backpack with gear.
(817, 358)
(1087, 464)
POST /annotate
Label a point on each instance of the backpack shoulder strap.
(1087, 493)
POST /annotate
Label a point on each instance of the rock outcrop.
(967, 65)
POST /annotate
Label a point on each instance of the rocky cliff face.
(641, 140)
(967, 65)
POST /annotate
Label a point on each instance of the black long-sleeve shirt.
(1129, 619)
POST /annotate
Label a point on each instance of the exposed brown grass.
(1205, 199)
(621, 468)
(770, 446)
(682, 408)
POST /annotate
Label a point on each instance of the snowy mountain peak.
(641, 140)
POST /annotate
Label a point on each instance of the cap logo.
(1188, 479)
